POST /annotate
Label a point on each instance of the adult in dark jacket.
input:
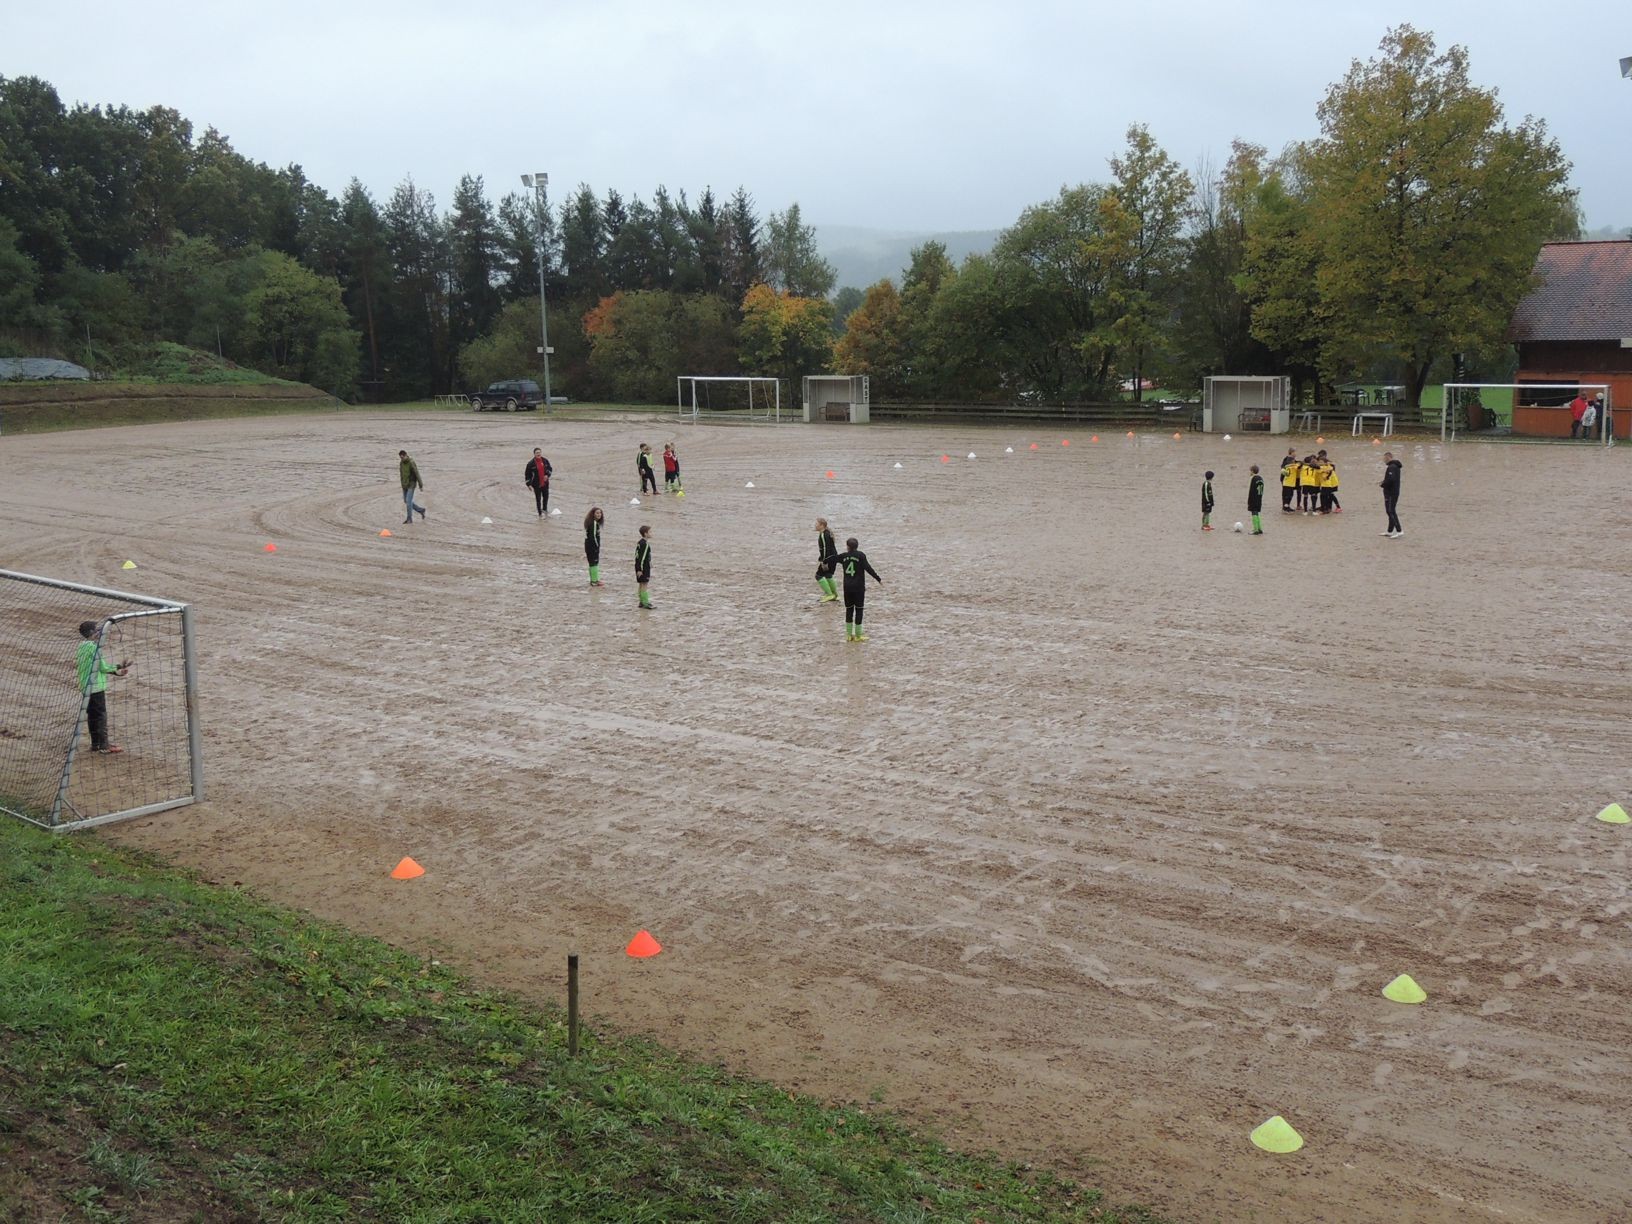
(1391, 494)
(537, 477)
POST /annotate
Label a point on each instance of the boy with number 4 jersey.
(854, 564)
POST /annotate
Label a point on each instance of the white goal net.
(703, 397)
(98, 704)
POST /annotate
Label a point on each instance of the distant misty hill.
(864, 256)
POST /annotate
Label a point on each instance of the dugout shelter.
(843, 398)
(1242, 403)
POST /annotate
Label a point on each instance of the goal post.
(1523, 410)
(743, 397)
(99, 724)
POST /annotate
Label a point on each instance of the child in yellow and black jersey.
(1309, 484)
(1289, 479)
(1328, 488)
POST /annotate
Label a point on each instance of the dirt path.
(1098, 853)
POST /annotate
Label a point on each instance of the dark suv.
(516, 395)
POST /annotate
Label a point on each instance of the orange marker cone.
(270, 548)
(1130, 433)
(385, 531)
(643, 945)
(1034, 446)
(946, 458)
(1320, 441)
(1065, 441)
(407, 870)
(830, 474)
(1178, 437)
(1376, 441)
(1095, 438)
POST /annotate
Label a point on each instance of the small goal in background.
(50, 773)
(728, 397)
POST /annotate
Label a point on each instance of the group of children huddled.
(1312, 480)
(1308, 485)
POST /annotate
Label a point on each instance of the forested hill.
(121, 227)
(862, 256)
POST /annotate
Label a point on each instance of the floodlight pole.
(539, 182)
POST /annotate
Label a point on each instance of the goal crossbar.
(693, 401)
(1603, 427)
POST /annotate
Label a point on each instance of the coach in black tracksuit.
(537, 477)
(853, 564)
(1391, 494)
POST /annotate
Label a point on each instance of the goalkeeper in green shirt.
(94, 671)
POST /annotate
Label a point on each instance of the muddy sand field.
(1099, 852)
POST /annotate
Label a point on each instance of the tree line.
(120, 226)
(1397, 241)
(1395, 244)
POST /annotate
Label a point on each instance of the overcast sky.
(948, 115)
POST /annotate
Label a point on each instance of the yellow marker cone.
(1614, 814)
(128, 565)
(1404, 989)
(1277, 1135)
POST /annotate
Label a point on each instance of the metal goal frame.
(63, 815)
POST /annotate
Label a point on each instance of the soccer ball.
(1240, 526)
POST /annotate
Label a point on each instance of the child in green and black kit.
(853, 562)
(593, 522)
(1255, 501)
(643, 465)
(1207, 503)
(643, 565)
(826, 550)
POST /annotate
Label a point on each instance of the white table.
(1385, 419)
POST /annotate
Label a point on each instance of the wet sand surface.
(1100, 850)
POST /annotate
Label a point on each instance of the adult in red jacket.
(1578, 409)
(537, 477)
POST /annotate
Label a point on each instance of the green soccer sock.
(1206, 520)
(827, 586)
(1257, 523)
(594, 573)
(645, 600)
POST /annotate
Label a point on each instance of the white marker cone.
(898, 467)
(486, 522)
(555, 512)
(1008, 450)
(749, 485)
(971, 454)
(634, 501)
(1226, 437)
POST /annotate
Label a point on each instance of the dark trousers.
(541, 495)
(648, 479)
(1286, 496)
(96, 714)
(1575, 429)
(1390, 500)
(853, 607)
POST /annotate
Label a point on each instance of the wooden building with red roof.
(1575, 326)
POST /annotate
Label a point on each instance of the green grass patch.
(171, 1050)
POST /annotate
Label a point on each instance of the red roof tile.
(1585, 293)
